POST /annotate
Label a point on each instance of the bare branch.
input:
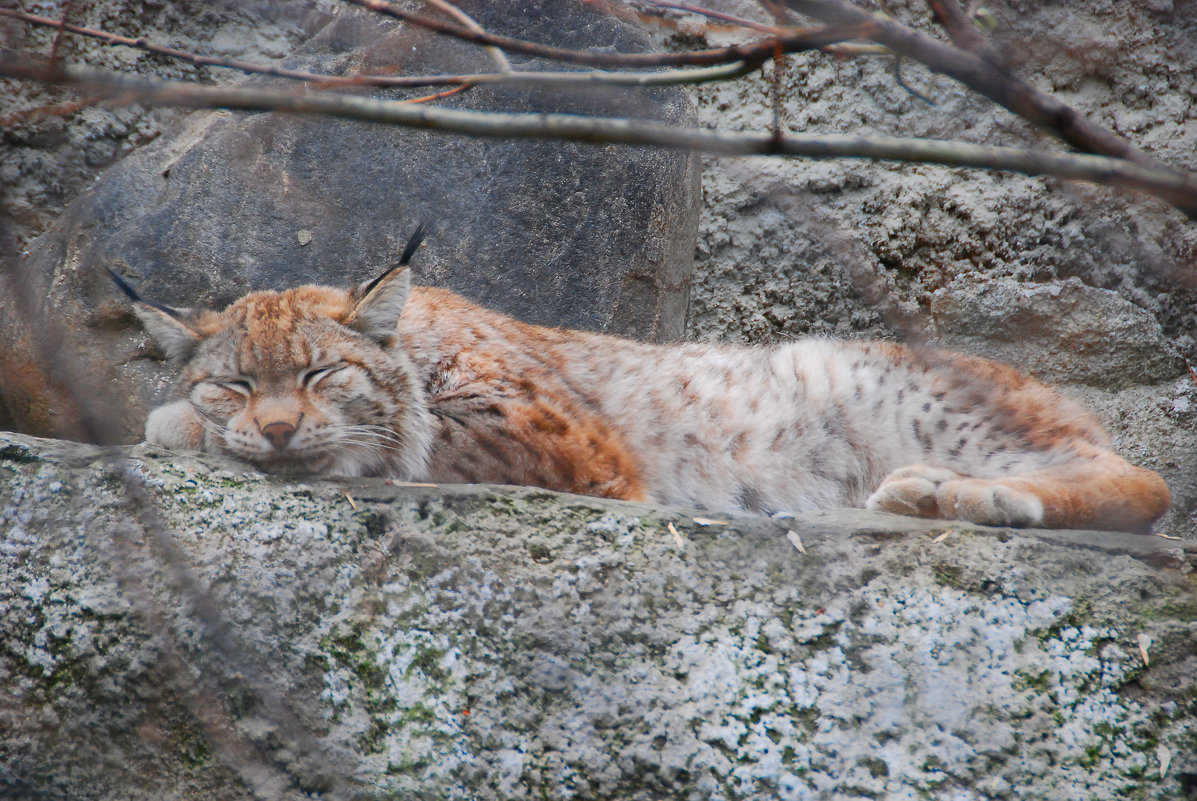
(1178, 188)
(722, 71)
(181, 55)
(851, 50)
(981, 76)
(56, 48)
(465, 19)
(25, 116)
(739, 22)
(962, 30)
(456, 90)
(754, 53)
(910, 90)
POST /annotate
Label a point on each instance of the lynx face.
(303, 381)
(313, 397)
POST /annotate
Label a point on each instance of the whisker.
(371, 431)
(211, 426)
(347, 444)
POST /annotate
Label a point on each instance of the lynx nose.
(278, 433)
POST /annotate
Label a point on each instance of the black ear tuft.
(413, 242)
(378, 303)
(123, 286)
(409, 250)
(165, 325)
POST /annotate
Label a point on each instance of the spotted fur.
(422, 385)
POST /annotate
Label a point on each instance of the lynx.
(419, 384)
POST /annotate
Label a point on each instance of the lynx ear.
(177, 340)
(378, 303)
(164, 324)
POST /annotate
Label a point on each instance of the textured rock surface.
(557, 234)
(1069, 331)
(46, 161)
(367, 641)
(360, 640)
(968, 258)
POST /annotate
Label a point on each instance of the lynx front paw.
(175, 425)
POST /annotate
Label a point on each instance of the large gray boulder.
(598, 238)
(178, 627)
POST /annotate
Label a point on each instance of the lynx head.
(309, 380)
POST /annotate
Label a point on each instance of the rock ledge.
(175, 626)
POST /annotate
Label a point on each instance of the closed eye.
(311, 377)
(243, 386)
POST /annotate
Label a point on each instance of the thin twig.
(849, 50)
(26, 116)
(779, 66)
(465, 19)
(173, 53)
(728, 71)
(437, 95)
(249, 68)
(623, 11)
(757, 52)
(739, 22)
(900, 81)
(779, 63)
(1178, 188)
(55, 49)
(679, 77)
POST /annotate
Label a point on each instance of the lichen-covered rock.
(180, 627)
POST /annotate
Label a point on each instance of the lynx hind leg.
(1097, 490)
(924, 491)
(175, 425)
(1103, 491)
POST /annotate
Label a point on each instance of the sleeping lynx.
(337, 382)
